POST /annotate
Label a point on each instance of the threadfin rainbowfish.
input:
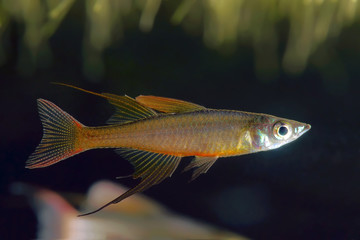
(154, 133)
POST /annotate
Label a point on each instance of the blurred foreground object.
(223, 24)
(136, 218)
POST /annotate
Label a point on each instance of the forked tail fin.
(60, 139)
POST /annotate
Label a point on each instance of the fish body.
(210, 133)
(154, 133)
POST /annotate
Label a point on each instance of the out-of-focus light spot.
(319, 2)
(148, 15)
(98, 5)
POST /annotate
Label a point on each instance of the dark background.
(308, 189)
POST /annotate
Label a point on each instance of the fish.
(154, 133)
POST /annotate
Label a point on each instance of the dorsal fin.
(127, 109)
(168, 105)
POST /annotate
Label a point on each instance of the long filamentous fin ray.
(152, 167)
(59, 136)
(127, 108)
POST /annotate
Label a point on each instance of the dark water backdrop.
(308, 189)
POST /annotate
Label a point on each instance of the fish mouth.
(307, 127)
(303, 129)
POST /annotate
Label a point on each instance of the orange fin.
(59, 139)
(151, 167)
(202, 165)
(168, 105)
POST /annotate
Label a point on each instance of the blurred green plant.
(222, 22)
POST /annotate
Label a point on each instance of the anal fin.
(202, 165)
(153, 168)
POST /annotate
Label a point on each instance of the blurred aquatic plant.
(222, 22)
(311, 22)
(40, 20)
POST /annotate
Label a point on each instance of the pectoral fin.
(151, 167)
(202, 165)
(168, 105)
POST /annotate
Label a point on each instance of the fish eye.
(282, 130)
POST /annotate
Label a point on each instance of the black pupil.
(283, 131)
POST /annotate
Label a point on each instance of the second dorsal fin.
(168, 105)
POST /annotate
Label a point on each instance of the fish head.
(273, 132)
